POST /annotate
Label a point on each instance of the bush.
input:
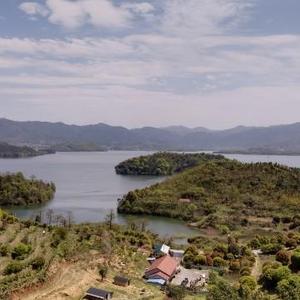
(219, 262)
(295, 261)
(245, 271)
(283, 257)
(176, 292)
(37, 263)
(271, 248)
(235, 265)
(13, 267)
(4, 250)
(21, 251)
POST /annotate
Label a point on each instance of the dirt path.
(70, 282)
(256, 271)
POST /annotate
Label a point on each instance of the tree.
(222, 290)
(110, 218)
(247, 287)
(289, 289)
(283, 256)
(103, 271)
(295, 261)
(176, 292)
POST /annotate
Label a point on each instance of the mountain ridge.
(276, 137)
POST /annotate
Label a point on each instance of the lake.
(88, 186)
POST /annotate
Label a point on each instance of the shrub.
(283, 257)
(295, 261)
(103, 271)
(37, 263)
(219, 262)
(271, 248)
(245, 271)
(291, 243)
(176, 292)
(4, 250)
(13, 267)
(235, 265)
(21, 251)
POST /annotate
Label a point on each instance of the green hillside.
(163, 163)
(15, 189)
(11, 151)
(222, 191)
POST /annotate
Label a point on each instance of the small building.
(121, 281)
(97, 294)
(161, 249)
(176, 253)
(162, 270)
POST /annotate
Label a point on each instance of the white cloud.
(140, 8)
(33, 9)
(99, 13)
(202, 17)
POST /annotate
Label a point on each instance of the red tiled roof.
(165, 264)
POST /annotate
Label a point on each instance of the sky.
(212, 63)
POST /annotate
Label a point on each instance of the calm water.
(88, 186)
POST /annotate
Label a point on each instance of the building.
(176, 253)
(97, 294)
(121, 281)
(161, 249)
(162, 270)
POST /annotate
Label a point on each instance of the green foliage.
(103, 271)
(289, 288)
(37, 263)
(219, 289)
(11, 151)
(21, 251)
(176, 292)
(4, 249)
(273, 274)
(13, 267)
(221, 190)
(295, 261)
(164, 163)
(283, 256)
(15, 189)
(219, 262)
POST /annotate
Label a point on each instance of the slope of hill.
(15, 189)
(163, 163)
(283, 138)
(11, 151)
(222, 191)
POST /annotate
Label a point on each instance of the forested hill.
(163, 163)
(15, 189)
(220, 192)
(10, 151)
(283, 138)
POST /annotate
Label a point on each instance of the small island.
(15, 189)
(163, 163)
(11, 151)
(219, 193)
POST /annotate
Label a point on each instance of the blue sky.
(214, 63)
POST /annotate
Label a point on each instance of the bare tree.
(110, 218)
(49, 216)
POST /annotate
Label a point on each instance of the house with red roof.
(161, 270)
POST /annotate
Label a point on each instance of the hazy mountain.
(280, 138)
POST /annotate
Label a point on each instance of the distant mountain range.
(281, 138)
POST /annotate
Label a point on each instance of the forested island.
(11, 151)
(15, 189)
(163, 163)
(220, 192)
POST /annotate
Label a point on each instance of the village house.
(161, 271)
(97, 294)
(121, 281)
